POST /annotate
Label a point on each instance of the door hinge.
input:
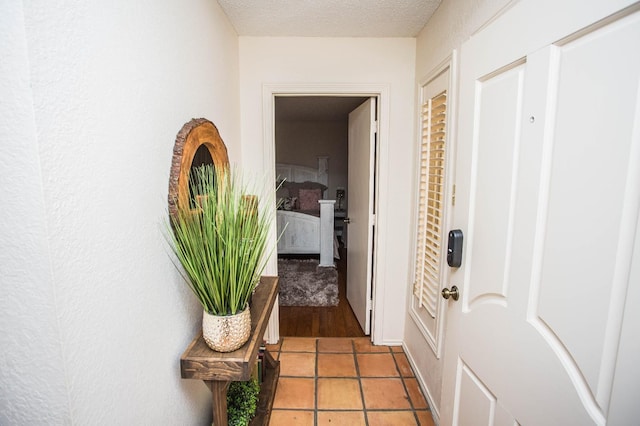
(375, 126)
(369, 305)
(453, 195)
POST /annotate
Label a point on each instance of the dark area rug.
(304, 283)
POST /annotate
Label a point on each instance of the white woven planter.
(226, 333)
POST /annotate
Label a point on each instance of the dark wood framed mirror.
(197, 143)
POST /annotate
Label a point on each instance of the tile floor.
(345, 381)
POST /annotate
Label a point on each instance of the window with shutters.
(430, 202)
(431, 205)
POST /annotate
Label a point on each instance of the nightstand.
(338, 225)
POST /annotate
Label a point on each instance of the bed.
(305, 216)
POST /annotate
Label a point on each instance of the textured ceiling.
(307, 108)
(329, 18)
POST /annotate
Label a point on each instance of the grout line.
(364, 406)
(315, 396)
(406, 389)
(365, 411)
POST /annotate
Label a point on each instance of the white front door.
(548, 196)
(360, 222)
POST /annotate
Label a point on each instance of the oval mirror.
(197, 143)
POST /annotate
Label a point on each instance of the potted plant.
(220, 239)
(242, 402)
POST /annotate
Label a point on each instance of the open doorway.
(312, 132)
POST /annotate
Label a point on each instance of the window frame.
(432, 327)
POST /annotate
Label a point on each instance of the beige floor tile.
(336, 365)
(403, 365)
(363, 344)
(340, 345)
(377, 365)
(384, 394)
(298, 344)
(413, 388)
(301, 364)
(291, 418)
(339, 394)
(295, 393)
(391, 418)
(341, 418)
(425, 418)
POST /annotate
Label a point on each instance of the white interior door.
(362, 139)
(548, 195)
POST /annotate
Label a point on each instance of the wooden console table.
(218, 369)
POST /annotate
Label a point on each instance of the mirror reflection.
(201, 157)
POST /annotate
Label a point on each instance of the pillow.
(289, 203)
(282, 193)
(295, 187)
(308, 198)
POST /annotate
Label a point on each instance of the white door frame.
(381, 91)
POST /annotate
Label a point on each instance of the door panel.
(498, 106)
(589, 160)
(549, 197)
(360, 227)
(477, 399)
(480, 404)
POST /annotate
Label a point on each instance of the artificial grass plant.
(220, 238)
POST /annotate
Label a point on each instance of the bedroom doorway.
(307, 129)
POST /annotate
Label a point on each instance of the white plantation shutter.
(430, 203)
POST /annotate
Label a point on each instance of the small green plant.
(220, 238)
(242, 400)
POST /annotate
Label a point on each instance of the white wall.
(452, 24)
(32, 379)
(93, 316)
(348, 62)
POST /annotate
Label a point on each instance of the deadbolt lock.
(453, 293)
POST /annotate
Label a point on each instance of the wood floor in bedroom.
(334, 321)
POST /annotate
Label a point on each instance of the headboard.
(296, 173)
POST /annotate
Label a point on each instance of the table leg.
(219, 398)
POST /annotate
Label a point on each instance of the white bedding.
(309, 218)
(301, 234)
